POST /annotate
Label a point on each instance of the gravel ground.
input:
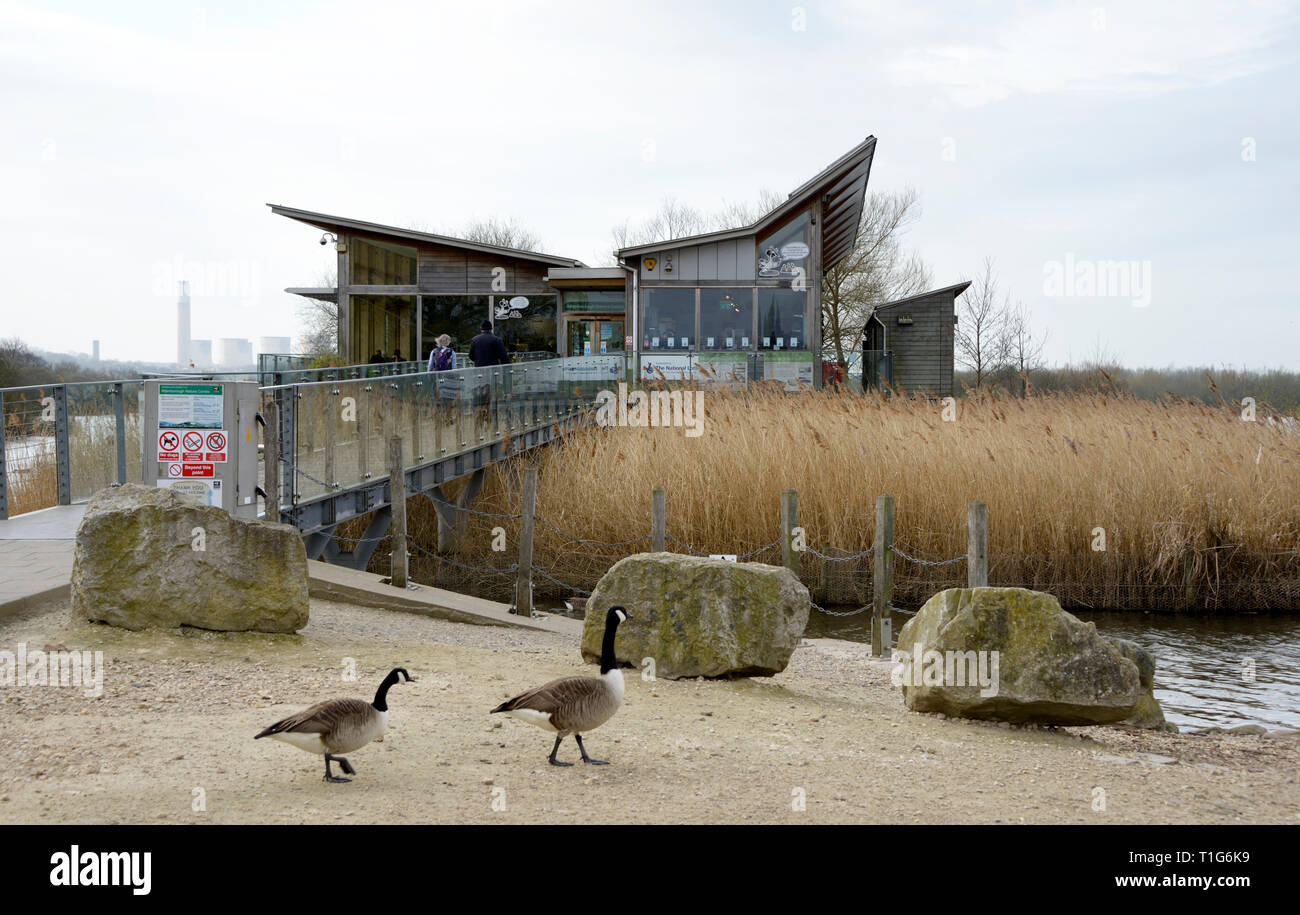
(826, 741)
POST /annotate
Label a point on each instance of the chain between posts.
(927, 562)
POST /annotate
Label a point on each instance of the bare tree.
(1024, 347)
(981, 337)
(504, 233)
(877, 271)
(489, 230)
(745, 213)
(320, 321)
(675, 219)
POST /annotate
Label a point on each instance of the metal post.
(286, 409)
(882, 579)
(417, 412)
(977, 545)
(271, 459)
(789, 521)
(658, 519)
(333, 415)
(397, 498)
(62, 449)
(119, 420)
(364, 403)
(4, 470)
(524, 581)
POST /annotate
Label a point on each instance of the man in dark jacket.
(487, 348)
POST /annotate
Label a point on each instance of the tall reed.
(1109, 500)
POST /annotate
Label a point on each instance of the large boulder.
(1011, 654)
(149, 558)
(699, 617)
(1148, 713)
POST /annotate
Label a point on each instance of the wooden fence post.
(524, 581)
(397, 499)
(977, 545)
(882, 579)
(789, 521)
(658, 519)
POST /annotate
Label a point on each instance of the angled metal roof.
(328, 222)
(843, 186)
(956, 289)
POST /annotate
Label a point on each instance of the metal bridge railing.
(61, 443)
(333, 434)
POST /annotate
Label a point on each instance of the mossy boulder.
(1148, 713)
(149, 558)
(1010, 654)
(698, 617)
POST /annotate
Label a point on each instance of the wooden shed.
(911, 342)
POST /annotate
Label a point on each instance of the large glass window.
(383, 327)
(669, 319)
(594, 301)
(526, 323)
(783, 253)
(726, 318)
(457, 316)
(378, 263)
(782, 319)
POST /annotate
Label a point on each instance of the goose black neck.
(607, 660)
(381, 694)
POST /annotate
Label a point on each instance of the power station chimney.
(183, 327)
(94, 350)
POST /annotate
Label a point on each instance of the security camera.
(324, 239)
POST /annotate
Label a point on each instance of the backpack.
(442, 358)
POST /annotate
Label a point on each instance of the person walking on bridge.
(443, 357)
(487, 348)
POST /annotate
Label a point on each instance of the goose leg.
(555, 749)
(345, 765)
(585, 758)
(330, 776)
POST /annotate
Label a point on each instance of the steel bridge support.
(451, 518)
(323, 544)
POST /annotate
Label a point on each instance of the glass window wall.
(726, 318)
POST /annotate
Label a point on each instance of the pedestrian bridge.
(327, 435)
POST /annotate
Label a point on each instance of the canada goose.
(576, 603)
(338, 726)
(572, 705)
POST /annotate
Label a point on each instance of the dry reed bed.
(1160, 478)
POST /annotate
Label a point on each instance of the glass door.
(594, 336)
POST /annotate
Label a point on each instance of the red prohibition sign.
(193, 441)
(168, 441)
(173, 470)
(216, 441)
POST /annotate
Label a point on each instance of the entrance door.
(595, 336)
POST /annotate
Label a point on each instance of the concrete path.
(368, 590)
(36, 556)
(36, 566)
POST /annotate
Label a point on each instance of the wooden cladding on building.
(919, 332)
(729, 260)
(448, 271)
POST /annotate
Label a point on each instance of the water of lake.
(1203, 664)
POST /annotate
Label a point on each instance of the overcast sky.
(141, 142)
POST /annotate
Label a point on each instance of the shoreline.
(179, 709)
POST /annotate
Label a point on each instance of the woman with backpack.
(443, 357)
